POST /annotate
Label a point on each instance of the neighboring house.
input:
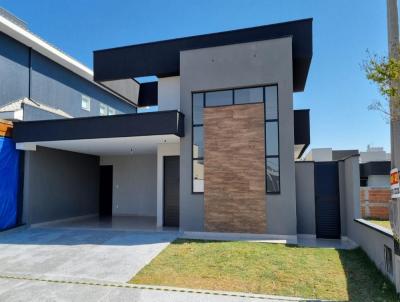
(375, 192)
(328, 154)
(375, 195)
(218, 155)
(38, 81)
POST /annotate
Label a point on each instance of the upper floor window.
(103, 109)
(85, 103)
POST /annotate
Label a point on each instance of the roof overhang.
(301, 132)
(161, 58)
(101, 127)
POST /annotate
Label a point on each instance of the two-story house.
(217, 155)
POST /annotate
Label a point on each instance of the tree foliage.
(385, 73)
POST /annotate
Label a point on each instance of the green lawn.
(383, 223)
(274, 269)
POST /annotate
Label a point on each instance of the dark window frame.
(193, 126)
(265, 142)
(265, 124)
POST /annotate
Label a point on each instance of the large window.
(272, 163)
(198, 145)
(268, 95)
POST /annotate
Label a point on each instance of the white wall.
(319, 154)
(163, 150)
(379, 181)
(134, 184)
(169, 93)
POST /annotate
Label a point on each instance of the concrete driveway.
(86, 255)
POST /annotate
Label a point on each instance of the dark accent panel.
(162, 58)
(137, 124)
(171, 191)
(375, 168)
(302, 129)
(343, 154)
(148, 94)
(105, 190)
(20, 194)
(327, 200)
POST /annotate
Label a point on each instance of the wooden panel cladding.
(234, 170)
(5, 128)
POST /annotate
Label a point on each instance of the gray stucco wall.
(305, 197)
(14, 70)
(134, 184)
(59, 184)
(371, 240)
(53, 85)
(50, 84)
(241, 65)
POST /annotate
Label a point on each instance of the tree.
(385, 73)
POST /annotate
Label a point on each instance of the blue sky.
(337, 91)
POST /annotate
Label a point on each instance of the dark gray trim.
(161, 58)
(125, 125)
(375, 168)
(148, 94)
(302, 129)
(20, 193)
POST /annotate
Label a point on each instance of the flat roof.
(161, 58)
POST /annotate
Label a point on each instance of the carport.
(102, 172)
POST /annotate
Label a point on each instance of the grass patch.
(274, 269)
(382, 223)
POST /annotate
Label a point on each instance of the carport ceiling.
(112, 146)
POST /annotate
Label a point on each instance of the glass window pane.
(249, 95)
(271, 102)
(219, 98)
(198, 175)
(85, 102)
(198, 146)
(272, 175)
(271, 138)
(198, 108)
(103, 109)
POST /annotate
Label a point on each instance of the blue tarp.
(9, 178)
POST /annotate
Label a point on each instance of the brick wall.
(375, 202)
(234, 170)
(5, 128)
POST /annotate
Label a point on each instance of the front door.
(106, 186)
(327, 200)
(171, 191)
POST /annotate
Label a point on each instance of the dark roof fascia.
(302, 129)
(124, 125)
(161, 58)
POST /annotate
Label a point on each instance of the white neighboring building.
(328, 154)
(374, 154)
